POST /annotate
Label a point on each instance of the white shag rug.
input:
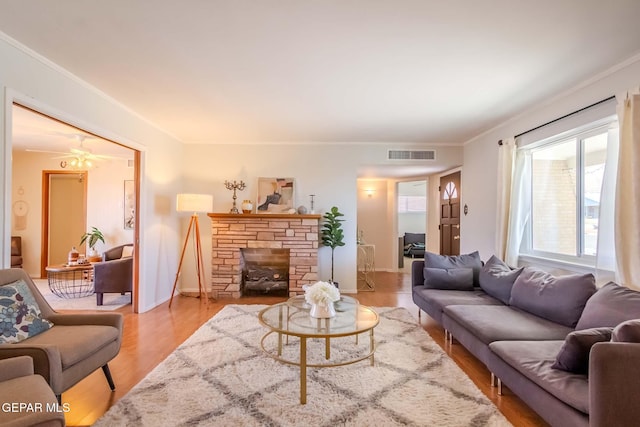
(221, 377)
(109, 301)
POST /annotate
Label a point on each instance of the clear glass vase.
(322, 311)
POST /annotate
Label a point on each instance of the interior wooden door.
(450, 214)
(64, 215)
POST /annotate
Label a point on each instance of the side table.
(71, 281)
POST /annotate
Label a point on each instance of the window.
(566, 181)
(412, 204)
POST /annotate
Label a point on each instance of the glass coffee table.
(292, 319)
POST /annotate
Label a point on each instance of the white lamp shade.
(194, 203)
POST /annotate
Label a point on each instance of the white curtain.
(506, 159)
(520, 206)
(627, 214)
(606, 251)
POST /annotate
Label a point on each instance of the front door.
(450, 214)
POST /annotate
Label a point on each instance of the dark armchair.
(16, 252)
(414, 245)
(115, 273)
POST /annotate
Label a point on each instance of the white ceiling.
(407, 71)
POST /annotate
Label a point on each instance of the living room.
(520, 89)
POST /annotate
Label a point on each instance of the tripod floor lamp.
(194, 203)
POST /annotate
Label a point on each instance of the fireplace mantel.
(258, 215)
(233, 232)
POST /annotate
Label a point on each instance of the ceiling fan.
(79, 157)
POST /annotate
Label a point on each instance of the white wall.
(327, 170)
(479, 179)
(37, 83)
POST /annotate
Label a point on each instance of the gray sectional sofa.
(568, 350)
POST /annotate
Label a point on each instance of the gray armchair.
(114, 274)
(74, 347)
(19, 384)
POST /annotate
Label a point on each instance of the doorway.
(39, 143)
(64, 213)
(412, 208)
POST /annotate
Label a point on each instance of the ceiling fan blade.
(31, 150)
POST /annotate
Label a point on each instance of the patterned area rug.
(221, 376)
(109, 302)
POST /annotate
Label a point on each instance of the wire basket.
(71, 283)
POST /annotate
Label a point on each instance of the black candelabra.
(234, 186)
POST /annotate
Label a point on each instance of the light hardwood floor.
(150, 337)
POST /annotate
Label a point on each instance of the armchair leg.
(59, 397)
(107, 373)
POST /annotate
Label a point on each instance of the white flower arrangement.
(321, 293)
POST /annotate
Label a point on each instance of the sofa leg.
(107, 373)
(59, 397)
(499, 387)
(419, 315)
(493, 379)
(99, 297)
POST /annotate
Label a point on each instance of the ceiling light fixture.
(79, 162)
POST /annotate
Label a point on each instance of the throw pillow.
(127, 251)
(559, 299)
(471, 260)
(20, 316)
(610, 306)
(454, 279)
(497, 278)
(574, 354)
(628, 331)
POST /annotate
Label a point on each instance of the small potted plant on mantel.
(332, 234)
(92, 238)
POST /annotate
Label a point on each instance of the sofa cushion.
(559, 299)
(496, 278)
(491, 323)
(20, 315)
(455, 279)
(628, 331)
(77, 342)
(574, 354)
(127, 251)
(433, 301)
(471, 260)
(533, 359)
(611, 305)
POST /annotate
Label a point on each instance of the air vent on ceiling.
(411, 155)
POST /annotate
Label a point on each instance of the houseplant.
(332, 234)
(92, 239)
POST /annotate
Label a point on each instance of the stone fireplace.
(297, 236)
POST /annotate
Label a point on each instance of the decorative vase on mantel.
(322, 311)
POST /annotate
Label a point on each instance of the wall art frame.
(275, 195)
(129, 204)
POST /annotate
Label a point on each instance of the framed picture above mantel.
(275, 195)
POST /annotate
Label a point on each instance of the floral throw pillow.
(20, 316)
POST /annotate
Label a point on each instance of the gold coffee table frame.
(292, 318)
